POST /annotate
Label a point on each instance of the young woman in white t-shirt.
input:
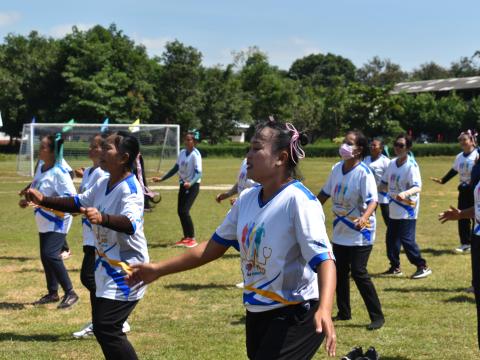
(279, 229)
(114, 208)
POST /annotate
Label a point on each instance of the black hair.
(126, 143)
(281, 142)
(360, 140)
(408, 139)
(55, 145)
(379, 139)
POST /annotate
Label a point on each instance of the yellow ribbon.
(271, 295)
(125, 267)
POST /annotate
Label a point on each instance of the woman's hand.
(221, 196)
(157, 179)
(361, 223)
(449, 215)
(34, 196)
(401, 196)
(145, 273)
(187, 185)
(437, 180)
(92, 214)
(23, 203)
(324, 323)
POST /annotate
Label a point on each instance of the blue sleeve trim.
(131, 184)
(217, 238)
(318, 259)
(306, 191)
(78, 204)
(196, 178)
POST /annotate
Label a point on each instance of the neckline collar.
(261, 204)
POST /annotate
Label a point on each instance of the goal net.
(159, 144)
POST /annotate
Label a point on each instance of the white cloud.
(9, 18)
(60, 31)
(155, 46)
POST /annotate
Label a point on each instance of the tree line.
(101, 72)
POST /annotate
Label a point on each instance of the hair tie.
(295, 146)
(58, 149)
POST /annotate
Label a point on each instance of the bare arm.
(456, 214)
(363, 220)
(322, 197)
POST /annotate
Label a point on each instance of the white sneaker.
(86, 332)
(463, 248)
(125, 327)
(239, 285)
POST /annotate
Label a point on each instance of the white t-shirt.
(125, 198)
(243, 182)
(476, 194)
(399, 179)
(64, 165)
(281, 243)
(378, 167)
(91, 176)
(189, 165)
(56, 181)
(464, 164)
(351, 193)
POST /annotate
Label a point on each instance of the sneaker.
(190, 242)
(239, 285)
(86, 332)
(422, 272)
(180, 243)
(126, 327)
(66, 254)
(47, 299)
(355, 353)
(68, 300)
(376, 324)
(340, 317)
(371, 354)
(393, 271)
(463, 248)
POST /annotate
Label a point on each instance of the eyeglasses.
(399, 145)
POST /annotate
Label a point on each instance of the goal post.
(159, 144)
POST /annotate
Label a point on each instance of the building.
(467, 87)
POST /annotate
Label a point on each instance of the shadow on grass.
(424, 289)
(240, 321)
(9, 336)
(460, 299)
(40, 270)
(394, 358)
(17, 258)
(164, 246)
(190, 287)
(231, 256)
(12, 306)
(437, 252)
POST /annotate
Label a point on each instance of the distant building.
(240, 130)
(467, 87)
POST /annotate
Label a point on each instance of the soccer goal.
(159, 144)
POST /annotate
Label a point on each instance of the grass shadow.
(436, 252)
(240, 321)
(12, 306)
(460, 299)
(424, 289)
(41, 270)
(190, 287)
(17, 258)
(9, 336)
(394, 358)
(164, 246)
(231, 256)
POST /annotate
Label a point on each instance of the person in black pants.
(189, 168)
(353, 190)
(463, 165)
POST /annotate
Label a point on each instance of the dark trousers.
(87, 273)
(385, 213)
(186, 197)
(287, 333)
(354, 259)
(476, 278)
(465, 226)
(108, 318)
(401, 232)
(55, 272)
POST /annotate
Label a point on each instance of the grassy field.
(199, 315)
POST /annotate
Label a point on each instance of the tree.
(378, 72)
(430, 71)
(464, 67)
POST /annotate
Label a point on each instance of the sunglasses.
(399, 145)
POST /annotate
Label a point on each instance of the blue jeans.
(401, 232)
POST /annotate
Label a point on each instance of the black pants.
(87, 273)
(476, 278)
(401, 232)
(186, 197)
(465, 226)
(287, 333)
(51, 244)
(108, 318)
(385, 213)
(354, 259)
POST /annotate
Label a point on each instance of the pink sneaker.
(190, 242)
(180, 243)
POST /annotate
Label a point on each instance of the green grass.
(199, 315)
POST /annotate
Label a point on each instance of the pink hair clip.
(295, 145)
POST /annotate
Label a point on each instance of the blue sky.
(408, 32)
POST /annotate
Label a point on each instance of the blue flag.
(104, 125)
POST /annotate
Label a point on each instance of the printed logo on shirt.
(256, 256)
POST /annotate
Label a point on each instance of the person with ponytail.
(463, 165)
(286, 259)
(53, 180)
(353, 190)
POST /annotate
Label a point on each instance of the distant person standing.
(189, 168)
(463, 165)
(243, 182)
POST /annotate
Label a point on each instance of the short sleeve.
(368, 188)
(414, 176)
(327, 188)
(87, 198)
(310, 232)
(198, 162)
(226, 233)
(386, 174)
(456, 162)
(132, 208)
(64, 184)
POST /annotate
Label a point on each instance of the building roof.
(465, 83)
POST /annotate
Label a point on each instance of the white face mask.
(346, 151)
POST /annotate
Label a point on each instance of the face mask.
(346, 151)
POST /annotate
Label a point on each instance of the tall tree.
(381, 72)
(430, 71)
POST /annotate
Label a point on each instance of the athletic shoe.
(239, 285)
(393, 271)
(68, 300)
(371, 354)
(66, 254)
(422, 272)
(354, 354)
(47, 299)
(470, 290)
(190, 242)
(463, 248)
(86, 332)
(340, 317)
(126, 327)
(376, 324)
